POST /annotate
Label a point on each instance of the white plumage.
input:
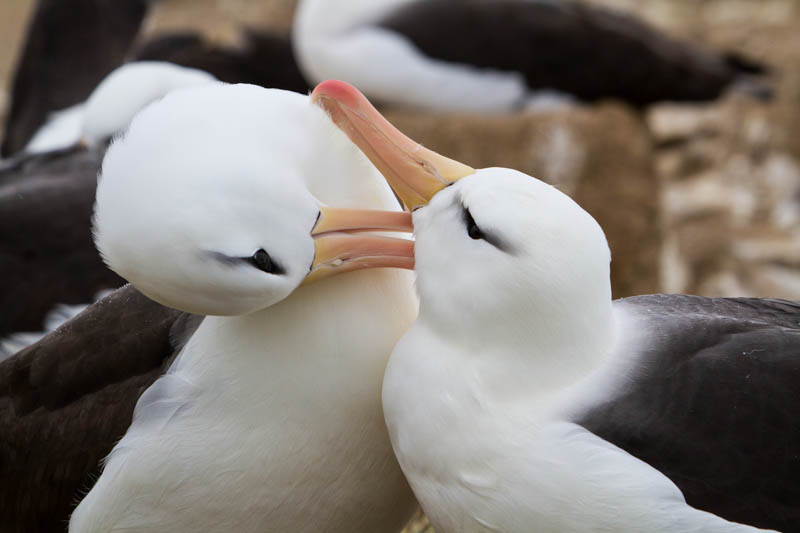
(269, 420)
(524, 399)
(505, 369)
(508, 55)
(341, 42)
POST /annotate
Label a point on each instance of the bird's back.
(47, 256)
(588, 52)
(712, 402)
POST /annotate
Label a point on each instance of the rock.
(777, 279)
(730, 197)
(772, 247)
(671, 123)
(730, 170)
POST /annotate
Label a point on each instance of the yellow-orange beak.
(415, 173)
(339, 249)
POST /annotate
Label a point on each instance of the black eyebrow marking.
(487, 235)
(225, 259)
(234, 261)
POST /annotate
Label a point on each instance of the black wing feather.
(264, 59)
(714, 404)
(589, 52)
(47, 255)
(66, 400)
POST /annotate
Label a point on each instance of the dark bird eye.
(472, 228)
(262, 261)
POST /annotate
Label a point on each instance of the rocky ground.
(694, 198)
(730, 171)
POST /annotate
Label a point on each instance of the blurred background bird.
(695, 197)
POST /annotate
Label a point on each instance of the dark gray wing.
(263, 59)
(589, 52)
(70, 46)
(714, 403)
(66, 400)
(47, 255)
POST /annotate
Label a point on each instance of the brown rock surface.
(731, 169)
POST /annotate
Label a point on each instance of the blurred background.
(699, 198)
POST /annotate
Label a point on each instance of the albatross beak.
(415, 173)
(338, 250)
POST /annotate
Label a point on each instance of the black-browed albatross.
(268, 419)
(523, 398)
(501, 55)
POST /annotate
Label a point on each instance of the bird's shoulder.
(708, 395)
(66, 400)
(122, 335)
(767, 311)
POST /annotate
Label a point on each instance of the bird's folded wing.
(66, 400)
(711, 400)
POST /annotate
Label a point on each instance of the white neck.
(450, 406)
(540, 356)
(289, 344)
(291, 393)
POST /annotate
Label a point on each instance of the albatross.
(218, 201)
(524, 399)
(503, 55)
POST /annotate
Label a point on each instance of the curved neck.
(541, 352)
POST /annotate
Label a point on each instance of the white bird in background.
(524, 399)
(46, 198)
(506, 55)
(112, 104)
(270, 417)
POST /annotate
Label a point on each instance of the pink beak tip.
(340, 91)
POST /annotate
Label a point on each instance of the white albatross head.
(503, 260)
(206, 203)
(500, 250)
